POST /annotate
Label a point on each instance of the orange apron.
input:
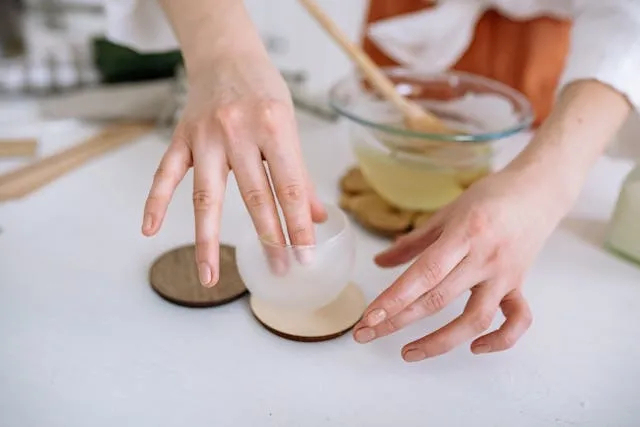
(527, 55)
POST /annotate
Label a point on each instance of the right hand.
(238, 113)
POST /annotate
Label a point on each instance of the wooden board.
(329, 322)
(174, 276)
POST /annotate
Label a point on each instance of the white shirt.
(605, 39)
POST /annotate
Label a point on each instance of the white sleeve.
(139, 24)
(605, 45)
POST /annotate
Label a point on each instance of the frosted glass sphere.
(301, 278)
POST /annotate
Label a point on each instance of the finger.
(173, 167)
(407, 247)
(318, 211)
(255, 188)
(477, 317)
(248, 166)
(287, 171)
(435, 263)
(461, 279)
(518, 319)
(209, 182)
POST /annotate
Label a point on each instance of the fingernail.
(482, 348)
(414, 355)
(204, 271)
(147, 222)
(365, 335)
(304, 255)
(279, 267)
(376, 317)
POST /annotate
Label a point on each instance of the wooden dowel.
(23, 181)
(18, 147)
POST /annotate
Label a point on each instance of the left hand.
(483, 242)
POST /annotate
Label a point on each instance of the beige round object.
(372, 210)
(174, 276)
(420, 219)
(345, 201)
(354, 182)
(329, 322)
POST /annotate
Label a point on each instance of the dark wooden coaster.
(174, 276)
(327, 323)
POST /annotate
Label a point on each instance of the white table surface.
(85, 342)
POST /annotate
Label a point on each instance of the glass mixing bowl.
(421, 171)
(300, 278)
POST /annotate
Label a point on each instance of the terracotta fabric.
(526, 55)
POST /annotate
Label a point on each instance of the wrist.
(201, 60)
(585, 119)
(550, 158)
(211, 32)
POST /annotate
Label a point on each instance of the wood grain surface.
(327, 323)
(174, 276)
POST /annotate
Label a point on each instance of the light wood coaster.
(329, 322)
(174, 276)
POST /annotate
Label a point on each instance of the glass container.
(300, 278)
(421, 171)
(624, 229)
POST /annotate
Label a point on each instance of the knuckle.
(494, 258)
(153, 201)
(202, 200)
(430, 271)
(293, 193)
(256, 198)
(479, 222)
(299, 233)
(180, 137)
(508, 341)
(389, 326)
(396, 304)
(481, 320)
(230, 115)
(527, 319)
(433, 301)
(272, 113)
(163, 174)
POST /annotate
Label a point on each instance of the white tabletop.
(85, 342)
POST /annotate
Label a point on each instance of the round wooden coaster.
(174, 276)
(329, 322)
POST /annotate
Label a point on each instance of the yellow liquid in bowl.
(412, 185)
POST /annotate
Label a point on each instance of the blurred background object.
(11, 33)
(56, 52)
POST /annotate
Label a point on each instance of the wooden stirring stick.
(415, 117)
(18, 147)
(25, 180)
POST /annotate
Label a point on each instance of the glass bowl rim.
(343, 230)
(398, 71)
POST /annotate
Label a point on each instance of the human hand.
(483, 242)
(238, 114)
